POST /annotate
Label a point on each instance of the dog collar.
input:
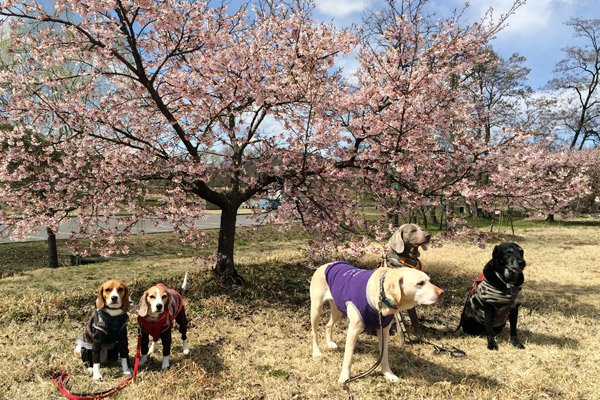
(510, 286)
(416, 264)
(382, 297)
(407, 262)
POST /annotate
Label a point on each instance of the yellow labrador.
(357, 293)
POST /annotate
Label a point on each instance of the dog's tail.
(185, 282)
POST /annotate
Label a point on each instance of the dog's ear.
(143, 310)
(125, 299)
(496, 252)
(169, 299)
(100, 303)
(393, 285)
(396, 242)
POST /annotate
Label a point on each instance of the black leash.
(367, 372)
(439, 348)
(382, 300)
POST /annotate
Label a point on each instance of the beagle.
(159, 307)
(105, 335)
(358, 294)
(404, 245)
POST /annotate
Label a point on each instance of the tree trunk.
(432, 216)
(550, 218)
(52, 249)
(424, 215)
(394, 219)
(225, 269)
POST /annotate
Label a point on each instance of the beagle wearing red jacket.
(105, 335)
(159, 307)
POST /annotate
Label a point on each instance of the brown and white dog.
(159, 307)
(105, 335)
(404, 245)
(357, 293)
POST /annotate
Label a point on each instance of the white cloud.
(341, 8)
(533, 17)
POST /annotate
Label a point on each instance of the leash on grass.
(452, 328)
(367, 372)
(438, 348)
(382, 300)
(61, 379)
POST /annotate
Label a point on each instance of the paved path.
(64, 230)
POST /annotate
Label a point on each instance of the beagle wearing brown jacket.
(105, 335)
(159, 307)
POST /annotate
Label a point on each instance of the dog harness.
(104, 322)
(502, 300)
(348, 287)
(165, 321)
(396, 261)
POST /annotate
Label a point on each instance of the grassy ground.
(253, 342)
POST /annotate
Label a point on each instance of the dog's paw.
(96, 375)
(90, 371)
(317, 354)
(516, 342)
(492, 345)
(165, 362)
(332, 345)
(343, 378)
(186, 349)
(390, 376)
(143, 359)
(125, 366)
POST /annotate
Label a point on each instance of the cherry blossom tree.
(412, 121)
(224, 106)
(156, 92)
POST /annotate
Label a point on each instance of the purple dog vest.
(348, 287)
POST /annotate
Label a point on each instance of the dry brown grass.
(253, 342)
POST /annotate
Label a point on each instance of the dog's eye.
(420, 283)
(152, 296)
(107, 290)
(164, 296)
(120, 289)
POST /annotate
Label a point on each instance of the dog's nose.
(159, 306)
(428, 237)
(114, 299)
(440, 292)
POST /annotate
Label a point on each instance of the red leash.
(60, 379)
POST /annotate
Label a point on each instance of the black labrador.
(495, 296)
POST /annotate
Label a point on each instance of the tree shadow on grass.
(547, 340)
(209, 356)
(407, 365)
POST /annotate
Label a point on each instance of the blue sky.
(536, 31)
